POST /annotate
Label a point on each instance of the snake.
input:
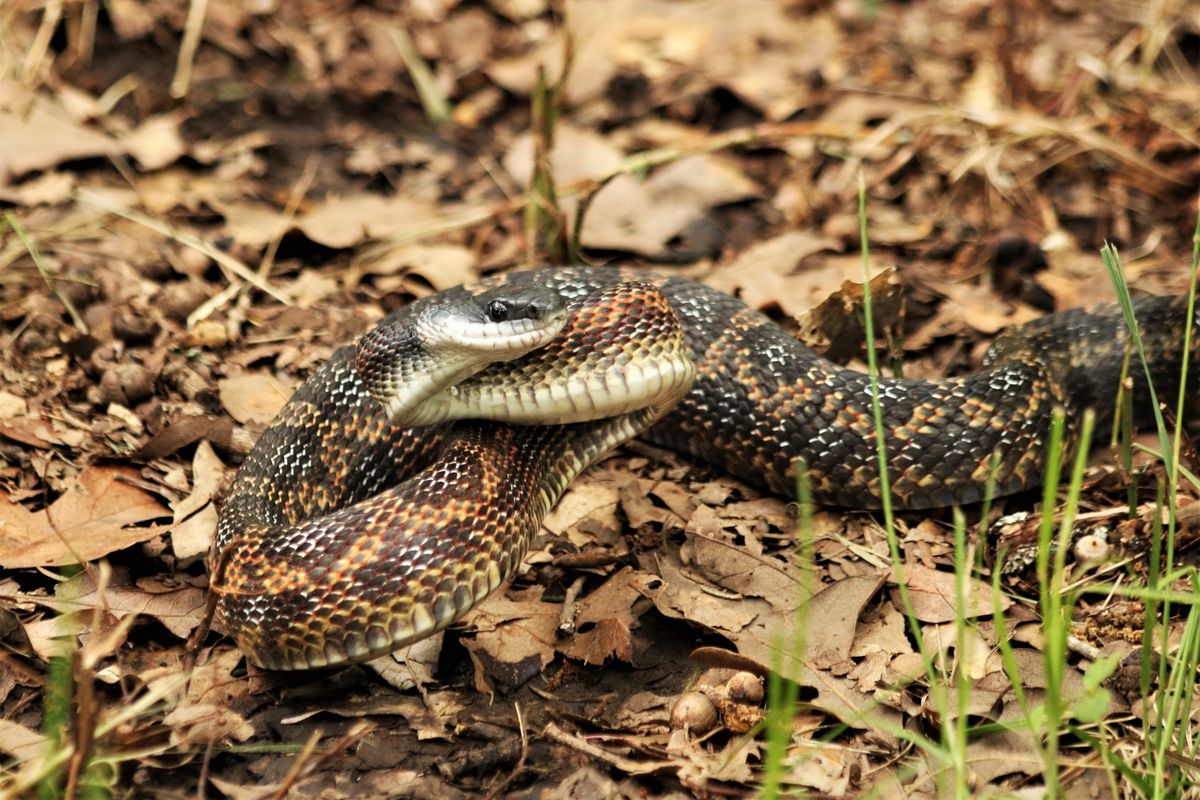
(402, 483)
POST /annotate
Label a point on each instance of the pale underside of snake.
(365, 519)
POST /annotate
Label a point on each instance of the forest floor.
(203, 200)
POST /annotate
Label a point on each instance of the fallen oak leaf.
(606, 617)
(92, 519)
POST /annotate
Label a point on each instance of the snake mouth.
(509, 339)
(582, 398)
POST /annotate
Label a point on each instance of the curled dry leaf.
(196, 515)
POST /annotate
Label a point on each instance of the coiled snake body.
(348, 532)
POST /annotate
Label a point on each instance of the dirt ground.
(203, 200)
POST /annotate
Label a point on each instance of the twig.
(41, 41)
(97, 200)
(82, 33)
(566, 617)
(19, 229)
(627, 765)
(192, 29)
(432, 100)
(295, 198)
(520, 765)
(303, 767)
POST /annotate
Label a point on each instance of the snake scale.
(350, 530)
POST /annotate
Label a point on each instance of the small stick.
(520, 766)
(566, 618)
(192, 28)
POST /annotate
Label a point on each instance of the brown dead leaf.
(578, 155)
(412, 666)
(182, 432)
(1007, 751)
(836, 328)
(605, 617)
(775, 272)
(33, 431)
(628, 213)
(643, 216)
(178, 611)
(337, 222)
(254, 397)
(759, 630)
(832, 616)
(156, 143)
(586, 500)
(933, 594)
(439, 265)
(514, 639)
(762, 53)
(92, 519)
(48, 189)
(729, 762)
(205, 711)
(347, 221)
(887, 634)
(739, 566)
(207, 723)
(20, 743)
(640, 511)
(38, 135)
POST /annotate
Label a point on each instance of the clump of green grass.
(1167, 765)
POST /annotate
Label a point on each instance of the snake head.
(436, 342)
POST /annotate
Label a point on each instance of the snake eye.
(497, 311)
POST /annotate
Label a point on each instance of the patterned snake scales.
(364, 520)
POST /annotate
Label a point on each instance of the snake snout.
(505, 322)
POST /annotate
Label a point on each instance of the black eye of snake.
(497, 311)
